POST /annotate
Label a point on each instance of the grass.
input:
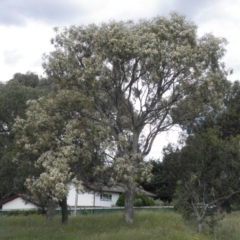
(229, 227)
(147, 225)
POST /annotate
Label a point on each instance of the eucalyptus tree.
(138, 75)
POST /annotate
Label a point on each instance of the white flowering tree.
(56, 143)
(138, 75)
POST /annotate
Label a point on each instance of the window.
(105, 197)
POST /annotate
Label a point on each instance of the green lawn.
(147, 226)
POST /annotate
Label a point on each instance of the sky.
(26, 28)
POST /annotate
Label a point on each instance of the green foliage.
(234, 207)
(24, 213)
(61, 144)
(146, 200)
(121, 78)
(139, 200)
(29, 79)
(121, 200)
(158, 202)
(159, 183)
(13, 97)
(213, 221)
(207, 171)
(143, 77)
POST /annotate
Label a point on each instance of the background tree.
(138, 75)
(228, 119)
(212, 140)
(13, 97)
(29, 79)
(159, 185)
(206, 170)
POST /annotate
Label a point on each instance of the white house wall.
(18, 204)
(99, 202)
(90, 199)
(84, 199)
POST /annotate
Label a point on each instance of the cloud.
(11, 57)
(51, 11)
(192, 8)
(62, 12)
(26, 25)
(197, 11)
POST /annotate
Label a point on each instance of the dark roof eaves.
(9, 199)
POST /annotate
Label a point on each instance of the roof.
(119, 189)
(9, 199)
(17, 196)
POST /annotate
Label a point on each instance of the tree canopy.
(58, 146)
(143, 78)
(13, 97)
(205, 170)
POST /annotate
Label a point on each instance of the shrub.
(23, 212)
(120, 201)
(146, 200)
(139, 200)
(234, 208)
(158, 202)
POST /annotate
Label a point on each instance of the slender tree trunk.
(130, 190)
(64, 208)
(201, 219)
(200, 222)
(200, 215)
(226, 207)
(76, 203)
(128, 209)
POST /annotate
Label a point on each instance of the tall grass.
(147, 225)
(229, 228)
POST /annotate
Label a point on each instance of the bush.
(14, 213)
(23, 212)
(139, 200)
(146, 201)
(234, 208)
(120, 201)
(158, 202)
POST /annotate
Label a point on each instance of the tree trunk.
(130, 190)
(226, 206)
(64, 208)
(200, 215)
(128, 209)
(50, 209)
(200, 222)
(201, 219)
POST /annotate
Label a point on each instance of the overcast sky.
(26, 27)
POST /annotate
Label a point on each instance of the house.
(17, 202)
(107, 197)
